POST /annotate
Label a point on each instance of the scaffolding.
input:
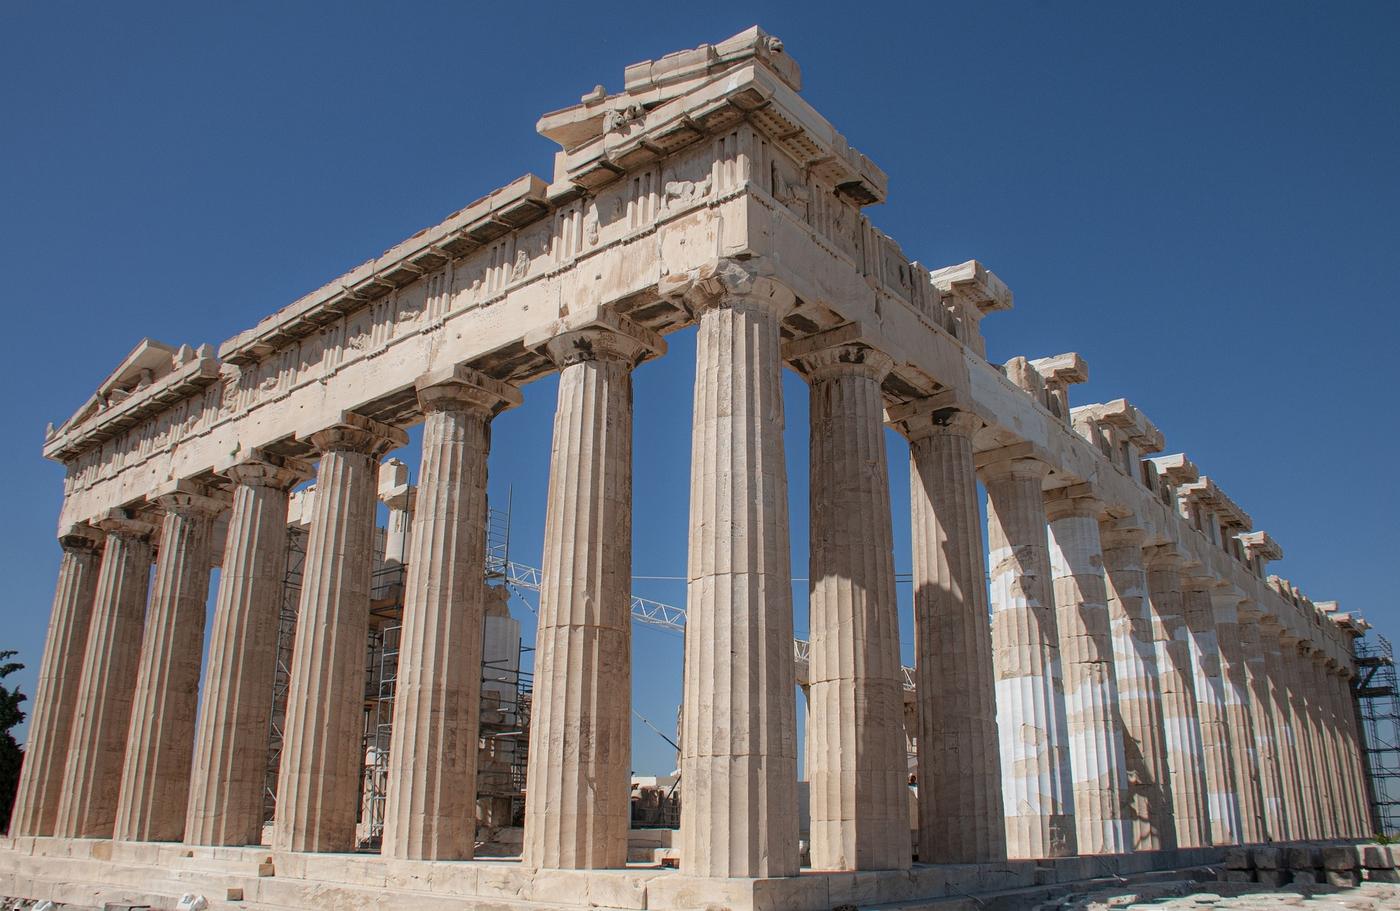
(282, 673)
(1377, 702)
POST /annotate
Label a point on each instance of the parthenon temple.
(1110, 679)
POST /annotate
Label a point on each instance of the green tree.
(11, 756)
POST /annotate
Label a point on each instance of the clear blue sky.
(1202, 201)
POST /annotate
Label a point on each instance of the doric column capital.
(727, 283)
(263, 469)
(936, 415)
(596, 334)
(1023, 468)
(842, 351)
(189, 498)
(1196, 578)
(1076, 501)
(463, 388)
(356, 433)
(81, 538)
(1249, 611)
(118, 523)
(1164, 557)
(1121, 533)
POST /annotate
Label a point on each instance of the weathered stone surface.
(230, 758)
(318, 784)
(579, 809)
(1180, 719)
(160, 743)
(738, 729)
(860, 796)
(1037, 785)
(1139, 689)
(430, 802)
(97, 746)
(60, 673)
(1095, 729)
(960, 795)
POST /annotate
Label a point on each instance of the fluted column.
(1330, 775)
(1221, 793)
(856, 763)
(1095, 731)
(160, 741)
(1180, 724)
(319, 780)
(1260, 706)
(230, 758)
(1149, 797)
(92, 776)
(1287, 732)
(60, 671)
(1348, 824)
(1246, 766)
(961, 815)
(1303, 746)
(1037, 785)
(579, 808)
(738, 741)
(430, 799)
(1353, 745)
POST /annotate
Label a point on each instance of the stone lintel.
(1207, 493)
(975, 287)
(1062, 369)
(595, 332)
(1260, 544)
(1176, 468)
(1130, 422)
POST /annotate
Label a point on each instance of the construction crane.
(644, 610)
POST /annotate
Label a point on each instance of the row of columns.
(1107, 699)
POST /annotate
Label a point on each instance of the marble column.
(1180, 724)
(1149, 798)
(579, 810)
(1348, 823)
(230, 757)
(430, 797)
(1221, 792)
(92, 776)
(1260, 706)
(60, 671)
(1304, 748)
(1037, 785)
(738, 735)
(160, 741)
(1353, 746)
(1246, 765)
(1286, 731)
(319, 780)
(961, 815)
(857, 765)
(1328, 754)
(1095, 730)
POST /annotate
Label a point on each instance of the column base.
(89, 872)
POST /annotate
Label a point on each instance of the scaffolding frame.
(282, 671)
(1377, 703)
